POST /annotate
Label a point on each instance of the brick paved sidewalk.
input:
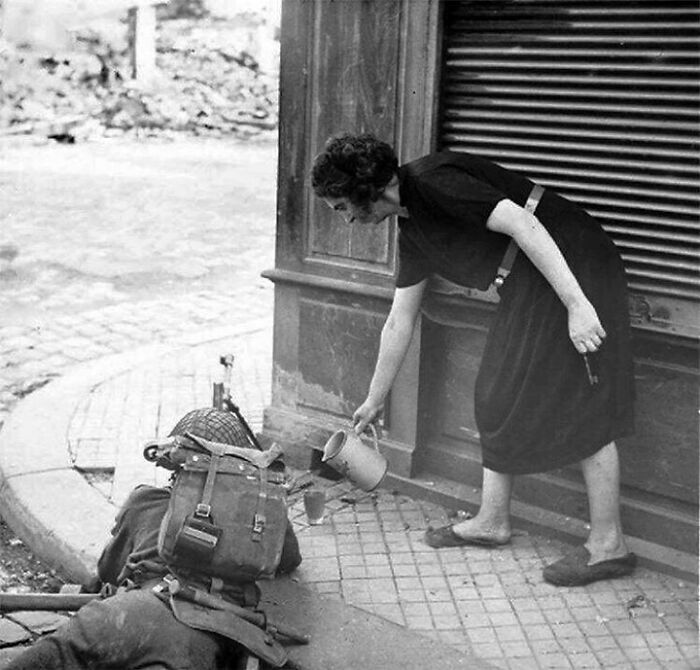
(32, 355)
(370, 553)
(118, 417)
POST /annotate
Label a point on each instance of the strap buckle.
(506, 264)
(202, 510)
(259, 523)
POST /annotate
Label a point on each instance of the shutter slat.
(457, 49)
(606, 179)
(643, 219)
(628, 188)
(459, 117)
(691, 211)
(529, 162)
(531, 23)
(671, 290)
(634, 8)
(459, 106)
(572, 39)
(575, 68)
(581, 80)
(687, 280)
(687, 244)
(598, 100)
(538, 90)
(583, 147)
(663, 262)
(565, 125)
(662, 249)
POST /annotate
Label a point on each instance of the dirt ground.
(20, 570)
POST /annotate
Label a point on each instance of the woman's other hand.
(365, 414)
(585, 330)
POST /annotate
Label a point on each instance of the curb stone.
(48, 503)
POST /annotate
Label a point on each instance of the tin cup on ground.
(314, 505)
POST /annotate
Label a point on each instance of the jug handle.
(375, 438)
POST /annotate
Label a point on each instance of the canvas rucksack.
(227, 514)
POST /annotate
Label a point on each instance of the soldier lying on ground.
(136, 628)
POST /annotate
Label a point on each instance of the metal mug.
(364, 466)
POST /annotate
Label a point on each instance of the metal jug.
(364, 466)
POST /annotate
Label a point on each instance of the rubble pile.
(208, 83)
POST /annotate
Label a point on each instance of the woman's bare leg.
(493, 518)
(601, 473)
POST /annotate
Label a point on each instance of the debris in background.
(208, 84)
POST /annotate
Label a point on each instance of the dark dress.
(534, 405)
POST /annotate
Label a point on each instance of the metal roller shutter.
(598, 99)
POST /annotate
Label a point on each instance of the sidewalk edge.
(46, 502)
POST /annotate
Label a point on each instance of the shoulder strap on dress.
(512, 251)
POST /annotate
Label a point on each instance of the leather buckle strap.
(534, 198)
(512, 251)
(260, 520)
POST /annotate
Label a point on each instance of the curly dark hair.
(356, 167)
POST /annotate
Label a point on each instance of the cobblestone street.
(123, 243)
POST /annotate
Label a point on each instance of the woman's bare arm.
(585, 330)
(395, 340)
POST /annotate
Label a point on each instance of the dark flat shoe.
(573, 569)
(446, 537)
